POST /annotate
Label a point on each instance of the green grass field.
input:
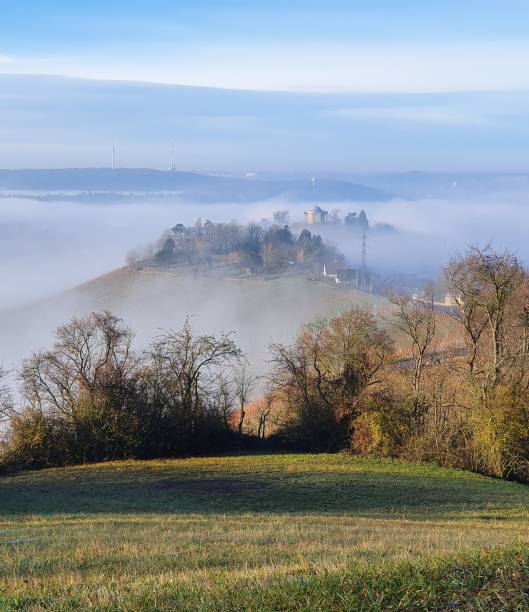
(262, 532)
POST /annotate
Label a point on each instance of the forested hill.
(192, 186)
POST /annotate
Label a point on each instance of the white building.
(315, 216)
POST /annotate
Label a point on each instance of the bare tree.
(487, 287)
(415, 318)
(464, 287)
(222, 398)
(244, 383)
(91, 355)
(132, 259)
(324, 372)
(292, 374)
(334, 215)
(281, 217)
(187, 366)
(265, 409)
(6, 403)
(352, 350)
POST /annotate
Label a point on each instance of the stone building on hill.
(315, 216)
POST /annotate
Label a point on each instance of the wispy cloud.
(416, 67)
(12, 64)
(412, 114)
(63, 122)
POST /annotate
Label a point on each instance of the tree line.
(412, 382)
(92, 397)
(259, 247)
(419, 383)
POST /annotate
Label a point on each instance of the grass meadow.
(262, 532)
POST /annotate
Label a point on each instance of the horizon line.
(300, 92)
(254, 173)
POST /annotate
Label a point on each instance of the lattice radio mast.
(363, 271)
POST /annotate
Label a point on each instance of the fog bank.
(48, 248)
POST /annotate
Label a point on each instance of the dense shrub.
(37, 440)
(384, 426)
(321, 379)
(500, 435)
(92, 398)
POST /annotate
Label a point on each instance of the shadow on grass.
(267, 485)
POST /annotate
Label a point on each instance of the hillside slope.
(267, 532)
(257, 310)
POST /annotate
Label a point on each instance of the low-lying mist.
(429, 232)
(47, 248)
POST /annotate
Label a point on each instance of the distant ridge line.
(193, 186)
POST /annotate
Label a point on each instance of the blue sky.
(62, 25)
(57, 122)
(372, 85)
(378, 45)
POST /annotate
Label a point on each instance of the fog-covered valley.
(48, 248)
